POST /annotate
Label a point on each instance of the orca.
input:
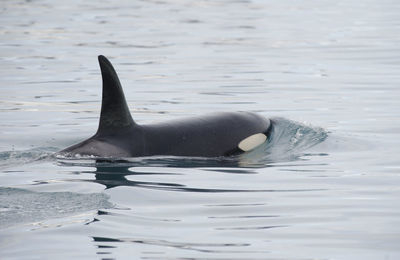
(119, 136)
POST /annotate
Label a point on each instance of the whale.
(210, 135)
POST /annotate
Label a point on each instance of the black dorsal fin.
(115, 113)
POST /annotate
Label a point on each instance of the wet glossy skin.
(206, 136)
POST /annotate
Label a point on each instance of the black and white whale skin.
(119, 136)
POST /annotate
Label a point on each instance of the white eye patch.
(252, 142)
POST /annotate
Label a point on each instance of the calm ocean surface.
(326, 186)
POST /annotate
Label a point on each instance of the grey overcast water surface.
(326, 186)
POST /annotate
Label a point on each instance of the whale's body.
(118, 135)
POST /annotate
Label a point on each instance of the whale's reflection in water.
(116, 173)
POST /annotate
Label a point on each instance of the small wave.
(19, 206)
(18, 157)
(287, 142)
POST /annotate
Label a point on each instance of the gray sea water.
(326, 186)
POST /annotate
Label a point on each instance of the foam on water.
(10, 158)
(19, 206)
